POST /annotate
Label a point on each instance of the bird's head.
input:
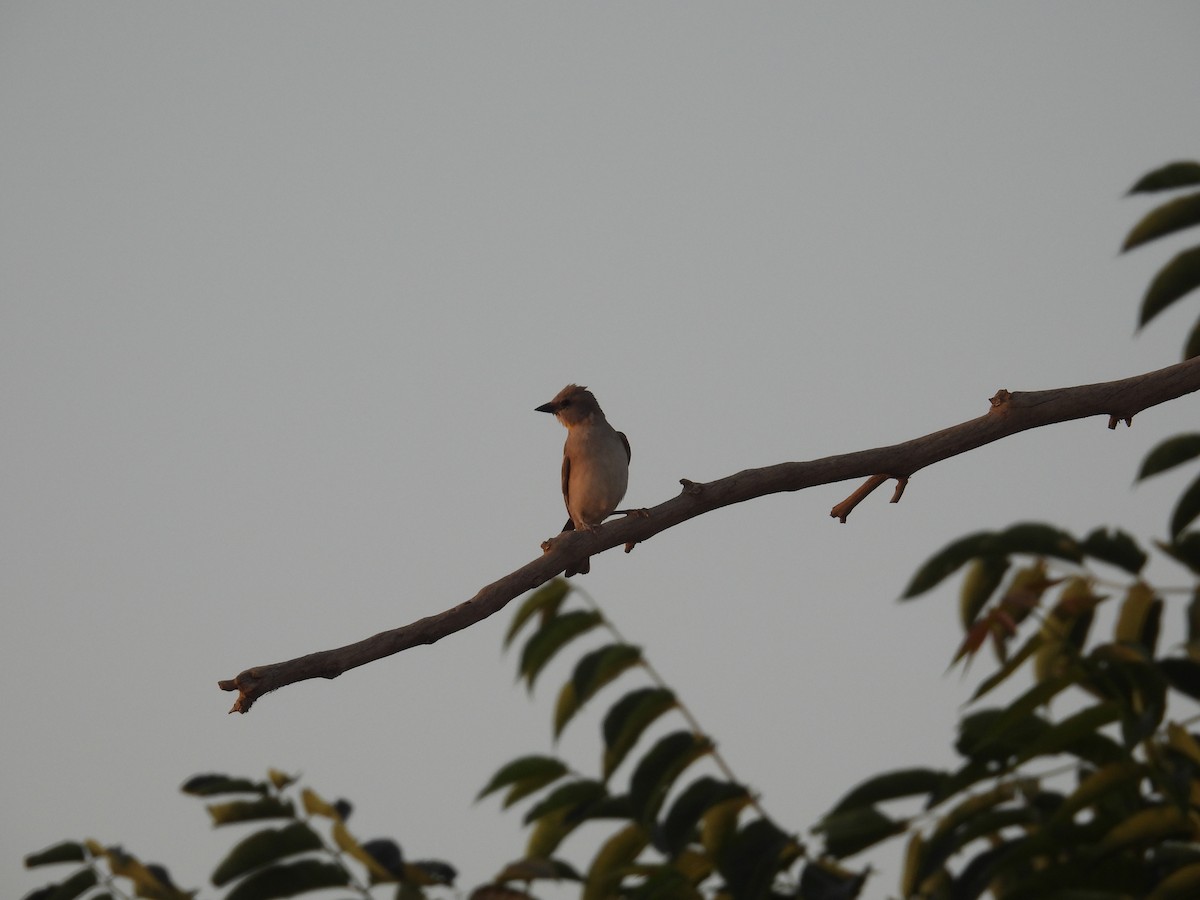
(572, 405)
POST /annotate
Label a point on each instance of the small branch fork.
(1010, 413)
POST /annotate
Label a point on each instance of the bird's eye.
(566, 403)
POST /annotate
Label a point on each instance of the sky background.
(281, 285)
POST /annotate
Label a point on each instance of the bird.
(595, 467)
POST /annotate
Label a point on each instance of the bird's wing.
(566, 480)
(628, 455)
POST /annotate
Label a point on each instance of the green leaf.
(824, 881)
(552, 637)
(541, 770)
(658, 769)
(533, 869)
(755, 856)
(1176, 279)
(889, 786)
(1169, 177)
(210, 785)
(1147, 827)
(679, 825)
(1191, 347)
(1038, 539)
(946, 562)
(1137, 621)
(1011, 665)
(1115, 776)
(250, 810)
(980, 582)
(1017, 724)
(1174, 451)
(545, 600)
(854, 830)
(67, 851)
(946, 836)
(1187, 509)
(1174, 215)
(265, 847)
(628, 718)
(1184, 548)
(547, 834)
(75, 886)
(612, 860)
(1063, 736)
(593, 671)
(289, 880)
(1183, 674)
(1116, 548)
(570, 797)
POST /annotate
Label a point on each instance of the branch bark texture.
(1009, 414)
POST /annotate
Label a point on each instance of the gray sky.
(280, 285)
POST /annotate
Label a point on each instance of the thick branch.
(1010, 413)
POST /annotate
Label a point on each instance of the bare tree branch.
(1010, 413)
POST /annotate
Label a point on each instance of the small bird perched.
(595, 469)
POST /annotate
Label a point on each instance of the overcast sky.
(281, 285)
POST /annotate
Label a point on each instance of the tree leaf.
(533, 869)
(658, 769)
(1146, 827)
(540, 769)
(854, 830)
(946, 562)
(611, 860)
(1174, 215)
(679, 825)
(212, 784)
(380, 868)
(1169, 177)
(265, 847)
(1182, 884)
(1038, 539)
(821, 880)
(1116, 776)
(1062, 736)
(66, 851)
(1174, 451)
(627, 719)
(250, 810)
(719, 824)
(889, 786)
(1187, 509)
(983, 577)
(1191, 347)
(75, 886)
(1116, 548)
(547, 833)
(552, 637)
(1176, 279)
(755, 856)
(1185, 548)
(1011, 665)
(1183, 674)
(1137, 621)
(570, 797)
(289, 880)
(545, 600)
(592, 672)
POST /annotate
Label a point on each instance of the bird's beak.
(546, 407)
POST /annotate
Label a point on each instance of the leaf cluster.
(671, 833)
(1181, 275)
(309, 850)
